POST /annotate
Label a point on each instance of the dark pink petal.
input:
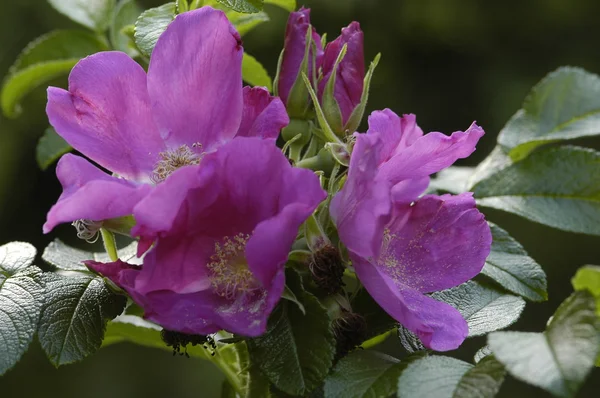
(293, 51)
(362, 208)
(351, 70)
(438, 325)
(263, 116)
(89, 193)
(195, 80)
(106, 114)
(429, 154)
(438, 243)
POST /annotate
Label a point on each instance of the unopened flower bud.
(327, 269)
(350, 330)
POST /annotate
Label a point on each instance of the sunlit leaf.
(558, 187)
(559, 359)
(563, 106)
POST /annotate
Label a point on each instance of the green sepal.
(297, 101)
(315, 235)
(358, 112)
(327, 133)
(339, 152)
(331, 108)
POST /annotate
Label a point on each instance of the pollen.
(174, 159)
(230, 275)
(87, 229)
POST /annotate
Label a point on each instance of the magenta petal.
(187, 313)
(438, 325)
(362, 208)
(183, 275)
(195, 79)
(293, 51)
(89, 193)
(263, 116)
(438, 243)
(431, 153)
(351, 70)
(158, 213)
(106, 114)
(396, 133)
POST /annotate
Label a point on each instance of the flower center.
(174, 159)
(87, 229)
(230, 275)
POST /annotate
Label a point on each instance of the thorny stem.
(109, 244)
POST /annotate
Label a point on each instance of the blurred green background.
(448, 61)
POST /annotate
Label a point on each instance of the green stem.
(230, 374)
(109, 244)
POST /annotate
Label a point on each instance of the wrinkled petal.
(263, 116)
(362, 208)
(351, 70)
(293, 51)
(431, 153)
(186, 313)
(89, 193)
(184, 273)
(245, 189)
(396, 133)
(195, 80)
(164, 210)
(407, 191)
(106, 114)
(438, 243)
(438, 325)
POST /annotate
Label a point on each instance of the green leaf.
(16, 256)
(21, 299)
(50, 147)
(94, 14)
(559, 359)
(453, 179)
(510, 266)
(22, 82)
(482, 353)
(494, 162)
(297, 350)
(445, 377)
(136, 330)
(247, 6)
(254, 73)
(74, 316)
(588, 278)
(484, 308)
(558, 187)
(289, 5)
(364, 374)
(45, 58)
(67, 258)
(563, 106)
(151, 24)
(244, 23)
(126, 13)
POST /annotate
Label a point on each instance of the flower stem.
(231, 375)
(109, 244)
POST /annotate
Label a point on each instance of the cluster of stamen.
(230, 275)
(88, 230)
(174, 159)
